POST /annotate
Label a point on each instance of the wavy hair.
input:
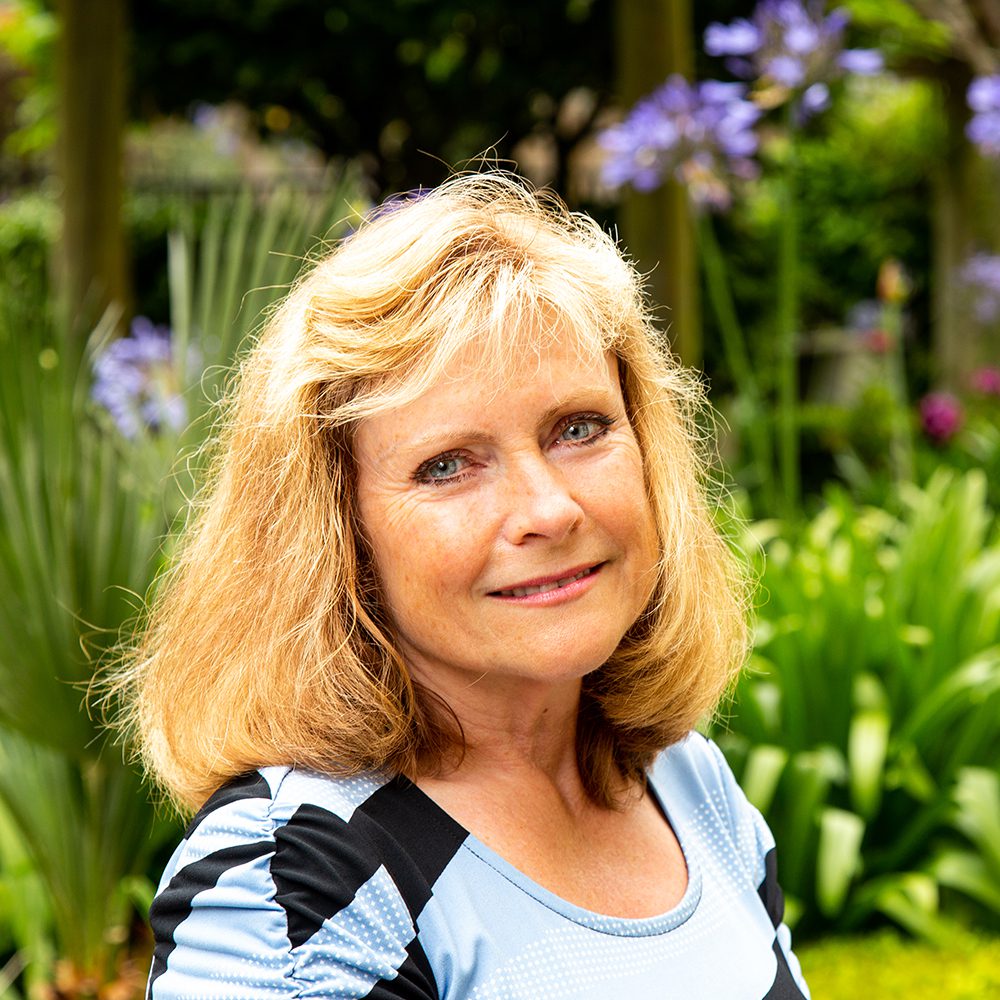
(264, 643)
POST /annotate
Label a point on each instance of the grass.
(885, 964)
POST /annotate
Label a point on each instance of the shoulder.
(306, 873)
(712, 815)
(693, 779)
(263, 814)
(272, 795)
(695, 761)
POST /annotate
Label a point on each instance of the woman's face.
(508, 519)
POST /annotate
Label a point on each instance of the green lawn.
(883, 964)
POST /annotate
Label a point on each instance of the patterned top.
(296, 884)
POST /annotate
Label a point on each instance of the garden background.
(815, 195)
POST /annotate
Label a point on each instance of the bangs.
(490, 324)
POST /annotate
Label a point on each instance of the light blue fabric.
(488, 932)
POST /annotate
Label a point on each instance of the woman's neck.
(526, 732)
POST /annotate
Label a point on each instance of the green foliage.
(903, 33)
(975, 446)
(861, 199)
(82, 516)
(883, 964)
(442, 81)
(25, 914)
(28, 31)
(867, 728)
(74, 534)
(29, 225)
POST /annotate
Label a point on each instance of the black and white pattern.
(294, 884)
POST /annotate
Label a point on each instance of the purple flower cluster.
(698, 134)
(981, 274)
(790, 47)
(136, 381)
(224, 124)
(984, 125)
(941, 416)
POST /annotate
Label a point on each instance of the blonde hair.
(264, 643)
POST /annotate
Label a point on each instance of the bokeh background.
(813, 192)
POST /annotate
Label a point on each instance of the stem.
(788, 324)
(902, 435)
(737, 356)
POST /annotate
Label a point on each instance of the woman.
(438, 635)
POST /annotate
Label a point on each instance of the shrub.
(867, 728)
(83, 511)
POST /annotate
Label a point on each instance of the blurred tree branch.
(90, 259)
(653, 40)
(974, 26)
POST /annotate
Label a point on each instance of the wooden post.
(90, 261)
(654, 38)
(965, 219)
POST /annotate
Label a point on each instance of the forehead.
(550, 358)
(473, 397)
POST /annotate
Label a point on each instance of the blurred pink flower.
(941, 416)
(986, 380)
(877, 340)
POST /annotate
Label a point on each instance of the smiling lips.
(544, 586)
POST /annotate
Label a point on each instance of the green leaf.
(977, 799)
(762, 773)
(806, 782)
(910, 773)
(967, 872)
(140, 891)
(838, 858)
(911, 899)
(867, 744)
(965, 686)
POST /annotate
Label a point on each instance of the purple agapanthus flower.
(981, 274)
(983, 127)
(221, 123)
(790, 48)
(136, 381)
(698, 134)
(941, 416)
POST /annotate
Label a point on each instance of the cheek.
(629, 517)
(422, 553)
(639, 529)
(620, 496)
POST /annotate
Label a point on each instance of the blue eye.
(441, 469)
(583, 429)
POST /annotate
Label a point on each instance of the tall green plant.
(83, 514)
(871, 708)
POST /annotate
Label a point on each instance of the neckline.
(604, 923)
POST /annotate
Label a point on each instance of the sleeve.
(756, 844)
(254, 907)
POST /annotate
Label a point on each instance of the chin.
(558, 668)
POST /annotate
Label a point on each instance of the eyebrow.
(435, 440)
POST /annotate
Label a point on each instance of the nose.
(539, 502)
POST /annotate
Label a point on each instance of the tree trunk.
(654, 38)
(965, 220)
(90, 260)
